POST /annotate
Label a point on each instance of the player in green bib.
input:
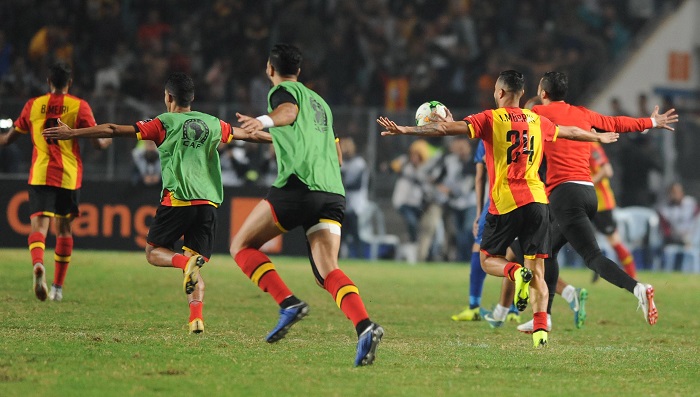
(191, 173)
(308, 192)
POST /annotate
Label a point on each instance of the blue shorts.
(482, 222)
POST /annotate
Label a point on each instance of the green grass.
(121, 330)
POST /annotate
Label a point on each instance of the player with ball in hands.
(513, 138)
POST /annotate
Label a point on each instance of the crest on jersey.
(194, 133)
(320, 117)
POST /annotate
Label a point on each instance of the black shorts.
(295, 205)
(53, 201)
(604, 222)
(530, 224)
(196, 222)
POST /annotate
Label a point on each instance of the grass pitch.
(121, 330)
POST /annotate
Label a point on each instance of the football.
(426, 109)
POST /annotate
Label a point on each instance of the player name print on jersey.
(54, 109)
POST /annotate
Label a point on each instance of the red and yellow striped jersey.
(606, 198)
(55, 163)
(513, 139)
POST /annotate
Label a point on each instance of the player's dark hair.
(181, 87)
(60, 74)
(556, 84)
(513, 80)
(286, 59)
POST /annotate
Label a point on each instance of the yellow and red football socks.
(347, 297)
(37, 245)
(62, 254)
(626, 260)
(260, 270)
(196, 310)
(510, 269)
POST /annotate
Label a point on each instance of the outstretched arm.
(631, 124)
(439, 128)
(9, 137)
(253, 136)
(109, 130)
(284, 114)
(579, 134)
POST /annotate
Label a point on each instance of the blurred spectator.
(643, 105)
(414, 197)
(617, 35)
(678, 214)
(107, 75)
(268, 167)
(217, 78)
(50, 44)
(355, 176)
(638, 159)
(457, 184)
(617, 109)
(9, 155)
(153, 31)
(5, 55)
(679, 223)
(21, 80)
(236, 164)
(147, 162)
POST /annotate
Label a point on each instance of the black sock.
(290, 301)
(362, 326)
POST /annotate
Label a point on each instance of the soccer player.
(187, 141)
(601, 172)
(513, 139)
(308, 192)
(55, 176)
(477, 276)
(570, 188)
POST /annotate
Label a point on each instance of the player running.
(308, 192)
(571, 193)
(191, 173)
(477, 276)
(55, 176)
(513, 139)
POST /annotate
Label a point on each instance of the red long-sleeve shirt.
(568, 160)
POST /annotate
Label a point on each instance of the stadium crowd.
(390, 54)
(370, 52)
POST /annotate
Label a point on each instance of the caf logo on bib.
(320, 118)
(194, 133)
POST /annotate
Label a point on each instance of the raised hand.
(390, 127)
(663, 120)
